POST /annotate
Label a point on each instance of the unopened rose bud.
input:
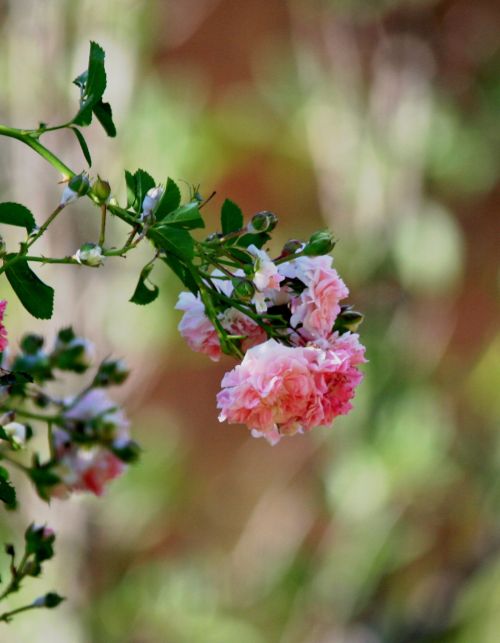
(243, 289)
(320, 243)
(291, 247)
(151, 200)
(40, 542)
(71, 352)
(17, 433)
(264, 221)
(78, 186)
(31, 343)
(101, 190)
(351, 319)
(50, 600)
(89, 254)
(111, 372)
(126, 450)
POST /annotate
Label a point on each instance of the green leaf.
(231, 217)
(137, 186)
(130, 183)
(18, 215)
(83, 145)
(143, 183)
(142, 294)
(104, 115)
(7, 491)
(170, 200)
(35, 296)
(187, 216)
(257, 240)
(181, 271)
(92, 84)
(173, 240)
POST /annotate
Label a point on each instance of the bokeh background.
(381, 120)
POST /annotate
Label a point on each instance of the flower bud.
(89, 254)
(101, 190)
(291, 247)
(78, 186)
(320, 243)
(31, 344)
(111, 372)
(243, 289)
(40, 542)
(151, 200)
(50, 600)
(350, 320)
(72, 353)
(3, 247)
(264, 221)
(17, 432)
(126, 450)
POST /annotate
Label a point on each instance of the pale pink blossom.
(82, 469)
(196, 327)
(266, 274)
(279, 390)
(317, 306)
(3, 331)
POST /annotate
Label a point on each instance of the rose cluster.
(89, 441)
(300, 360)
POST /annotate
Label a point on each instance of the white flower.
(89, 254)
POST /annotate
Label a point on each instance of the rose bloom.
(199, 332)
(196, 327)
(3, 331)
(82, 469)
(317, 307)
(279, 390)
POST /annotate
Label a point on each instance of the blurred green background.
(381, 120)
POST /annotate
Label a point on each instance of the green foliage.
(173, 240)
(138, 185)
(186, 216)
(143, 294)
(7, 491)
(17, 215)
(92, 83)
(170, 200)
(35, 296)
(83, 144)
(231, 217)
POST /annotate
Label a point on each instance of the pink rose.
(196, 327)
(3, 331)
(317, 307)
(279, 390)
(82, 469)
